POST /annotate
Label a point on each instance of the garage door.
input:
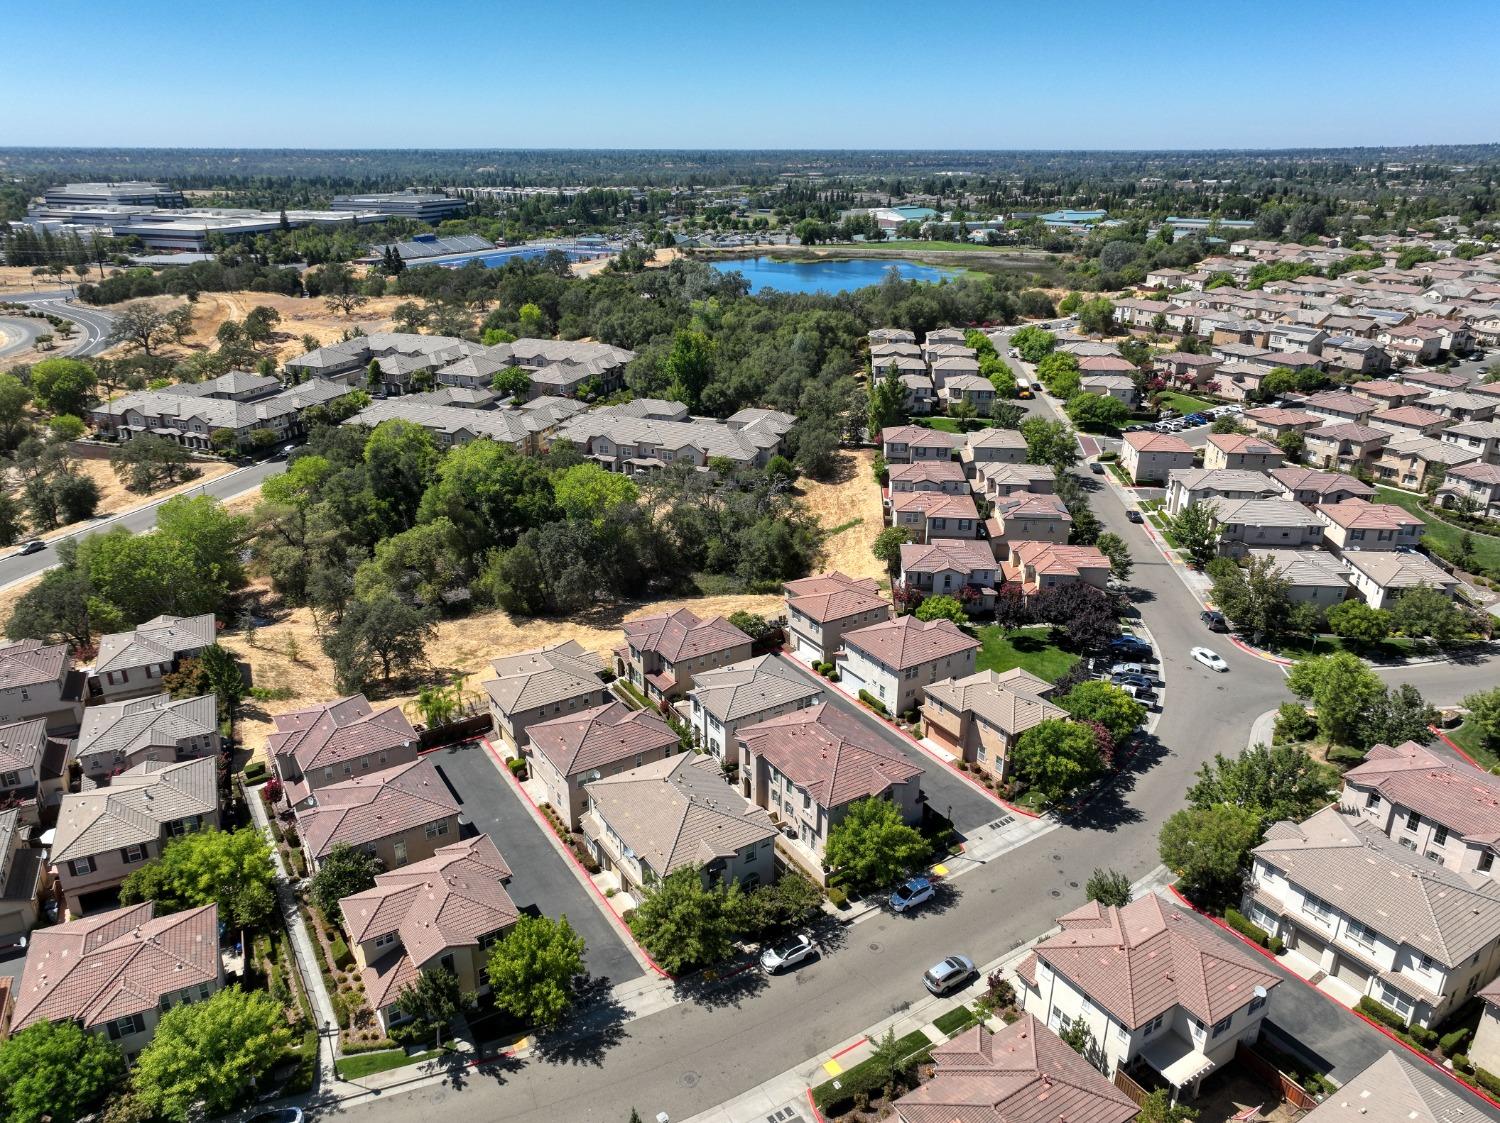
(807, 651)
(1346, 970)
(1309, 946)
(851, 681)
(942, 736)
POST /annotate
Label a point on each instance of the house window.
(1440, 836)
(1427, 963)
(10, 779)
(82, 867)
(1486, 861)
(1257, 1002)
(1395, 1000)
(131, 854)
(1372, 801)
(1222, 1025)
(124, 1027)
(1361, 934)
(386, 940)
(1413, 821)
(1316, 906)
(437, 829)
(1152, 1026)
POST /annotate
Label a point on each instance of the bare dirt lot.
(463, 646)
(852, 494)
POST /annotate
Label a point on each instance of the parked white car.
(1209, 659)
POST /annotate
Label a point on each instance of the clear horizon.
(811, 76)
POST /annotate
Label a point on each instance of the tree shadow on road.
(597, 1027)
(727, 985)
(1108, 808)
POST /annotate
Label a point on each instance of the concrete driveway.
(540, 876)
(944, 788)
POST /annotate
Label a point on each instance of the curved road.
(95, 323)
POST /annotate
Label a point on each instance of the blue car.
(916, 891)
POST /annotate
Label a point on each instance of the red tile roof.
(1458, 796)
(833, 596)
(1410, 416)
(907, 642)
(936, 504)
(834, 756)
(918, 436)
(603, 736)
(1243, 443)
(1362, 514)
(1157, 442)
(376, 806)
(338, 731)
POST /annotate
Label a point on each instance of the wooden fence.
(1292, 1092)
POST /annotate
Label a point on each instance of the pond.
(828, 276)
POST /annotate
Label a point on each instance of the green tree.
(401, 460)
(888, 1061)
(512, 382)
(63, 385)
(1059, 373)
(887, 546)
(60, 608)
(1033, 343)
(229, 868)
(384, 631)
(65, 427)
(56, 1071)
(533, 322)
(589, 491)
(1291, 443)
(1113, 547)
(206, 1056)
(887, 401)
(872, 844)
(1401, 714)
(1484, 713)
(211, 536)
(1428, 613)
(1197, 530)
(1158, 1107)
(1343, 691)
(1057, 758)
(140, 327)
(1096, 316)
(213, 671)
(14, 396)
(1281, 782)
(1007, 415)
(147, 463)
(431, 1001)
(943, 608)
(1355, 620)
(491, 494)
(1097, 411)
(533, 968)
(689, 367)
(140, 576)
(1108, 887)
(343, 872)
(1255, 597)
(11, 518)
(790, 901)
(683, 925)
(1050, 443)
(1208, 849)
(1107, 704)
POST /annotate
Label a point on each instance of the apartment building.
(38, 680)
(981, 716)
(131, 664)
(744, 694)
(568, 752)
(663, 652)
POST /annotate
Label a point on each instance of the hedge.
(1247, 927)
(301, 1080)
(1381, 1013)
(255, 770)
(873, 702)
(1451, 1043)
(343, 958)
(1487, 1080)
(837, 897)
(864, 1077)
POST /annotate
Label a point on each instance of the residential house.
(901, 444)
(1313, 577)
(985, 447)
(116, 973)
(1479, 437)
(1244, 524)
(1381, 919)
(1393, 395)
(1147, 457)
(980, 717)
(130, 664)
(1118, 386)
(397, 815)
(964, 568)
(646, 824)
(337, 741)
(1025, 516)
(119, 735)
(1473, 486)
(934, 514)
(891, 335)
(1410, 421)
(38, 680)
(542, 683)
(1345, 445)
(1383, 576)
(1435, 379)
(743, 694)
(975, 389)
(620, 441)
(894, 660)
(928, 475)
(807, 767)
(1165, 278)
(1408, 462)
(1092, 366)
(1311, 486)
(193, 421)
(1159, 989)
(921, 395)
(444, 912)
(1394, 1090)
(1484, 1049)
(1242, 451)
(106, 834)
(1240, 382)
(1339, 406)
(1411, 344)
(1036, 566)
(1442, 808)
(568, 752)
(1183, 369)
(1004, 1077)
(1292, 338)
(33, 767)
(996, 481)
(1186, 486)
(1140, 314)
(1357, 524)
(821, 609)
(663, 652)
(1272, 422)
(1460, 405)
(23, 879)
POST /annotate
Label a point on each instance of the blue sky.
(773, 73)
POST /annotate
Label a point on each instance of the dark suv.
(1214, 620)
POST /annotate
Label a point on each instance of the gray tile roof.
(1457, 795)
(156, 641)
(752, 687)
(29, 662)
(1393, 1090)
(122, 729)
(135, 807)
(1012, 702)
(22, 744)
(543, 676)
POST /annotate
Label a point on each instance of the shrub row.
(254, 771)
(517, 767)
(1252, 931)
(873, 702)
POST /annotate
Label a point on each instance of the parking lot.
(539, 875)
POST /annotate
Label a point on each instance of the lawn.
(956, 1019)
(1297, 647)
(909, 1046)
(635, 695)
(950, 425)
(1183, 403)
(367, 1064)
(1444, 537)
(1031, 649)
(1469, 738)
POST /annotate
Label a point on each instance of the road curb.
(1445, 739)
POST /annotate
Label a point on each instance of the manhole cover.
(1072, 885)
(688, 1079)
(874, 947)
(1057, 857)
(1057, 892)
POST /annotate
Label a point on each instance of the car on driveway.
(788, 953)
(1134, 516)
(1209, 658)
(948, 975)
(917, 891)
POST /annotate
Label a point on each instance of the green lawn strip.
(635, 695)
(1120, 474)
(956, 1019)
(1296, 647)
(1183, 403)
(910, 1045)
(1029, 648)
(1470, 738)
(1444, 537)
(1032, 800)
(367, 1064)
(850, 525)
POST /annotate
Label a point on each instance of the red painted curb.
(1451, 1073)
(849, 1048)
(1445, 739)
(1265, 656)
(589, 881)
(812, 1107)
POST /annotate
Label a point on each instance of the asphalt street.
(95, 323)
(18, 333)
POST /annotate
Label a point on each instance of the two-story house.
(902, 444)
(991, 447)
(444, 912)
(106, 834)
(23, 878)
(116, 973)
(1409, 462)
(743, 694)
(1339, 406)
(1383, 920)
(398, 815)
(1038, 566)
(1482, 438)
(981, 716)
(664, 651)
(1410, 421)
(1357, 524)
(964, 568)
(1026, 516)
(1274, 422)
(927, 475)
(1186, 486)
(807, 767)
(337, 741)
(893, 661)
(1313, 577)
(1159, 990)
(1245, 524)
(1147, 457)
(133, 663)
(935, 514)
(821, 609)
(996, 481)
(543, 683)
(1382, 576)
(1344, 445)
(1241, 451)
(33, 767)
(38, 680)
(570, 751)
(120, 735)
(1475, 486)
(1312, 486)
(647, 823)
